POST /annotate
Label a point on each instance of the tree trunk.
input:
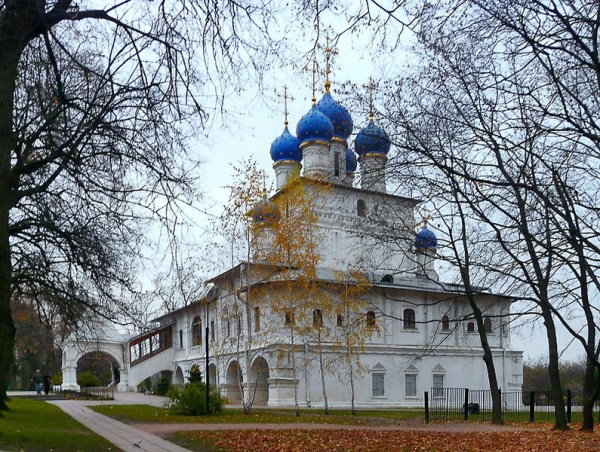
(488, 359)
(553, 372)
(590, 390)
(322, 369)
(13, 26)
(351, 371)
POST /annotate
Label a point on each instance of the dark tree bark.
(96, 106)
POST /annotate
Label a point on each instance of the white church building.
(402, 332)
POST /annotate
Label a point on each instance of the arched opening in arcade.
(259, 381)
(98, 368)
(234, 380)
(157, 384)
(178, 378)
(212, 374)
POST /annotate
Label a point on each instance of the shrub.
(145, 385)
(56, 379)
(195, 374)
(87, 379)
(162, 387)
(191, 400)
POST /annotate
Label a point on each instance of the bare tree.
(507, 104)
(96, 105)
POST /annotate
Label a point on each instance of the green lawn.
(148, 414)
(34, 425)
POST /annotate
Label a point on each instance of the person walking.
(47, 380)
(38, 381)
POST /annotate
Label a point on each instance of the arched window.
(257, 319)
(470, 327)
(445, 323)
(317, 318)
(361, 208)
(487, 323)
(196, 331)
(409, 319)
(370, 319)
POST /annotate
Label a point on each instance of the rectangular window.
(257, 319)
(438, 386)
(212, 330)
(377, 381)
(180, 338)
(317, 318)
(336, 163)
(410, 385)
(340, 319)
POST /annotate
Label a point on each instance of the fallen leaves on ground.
(371, 440)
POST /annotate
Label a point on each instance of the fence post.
(501, 404)
(426, 407)
(466, 404)
(532, 406)
(569, 406)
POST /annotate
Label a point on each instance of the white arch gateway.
(129, 354)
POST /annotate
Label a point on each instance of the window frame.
(409, 322)
(196, 331)
(361, 208)
(317, 318)
(376, 375)
(371, 319)
(406, 382)
(445, 323)
(437, 391)
(257, 319)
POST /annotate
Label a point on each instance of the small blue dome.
(372, 139)
(314, 125)
(286, 147)
(265, 211)
(339, 116)
(351, 162)
(426, 239)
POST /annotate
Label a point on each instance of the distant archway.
(234, 378)
(178, 376)
(99, 364)
(212, 374)
(259, 381)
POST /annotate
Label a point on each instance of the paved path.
(125, 437)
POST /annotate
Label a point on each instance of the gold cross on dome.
(329, 53)
(371, 87)
(314, 79)
(285, 103)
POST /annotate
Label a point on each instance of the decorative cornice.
(286, 162)
(373, 154)
(340, 140)
(312, 142)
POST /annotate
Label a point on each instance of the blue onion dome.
(314, 125)
(426, 239)
(339, 116)
(265, 212)
(286, 147)
(372, 139)
(351, 162)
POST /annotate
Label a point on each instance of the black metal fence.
(443, 404)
